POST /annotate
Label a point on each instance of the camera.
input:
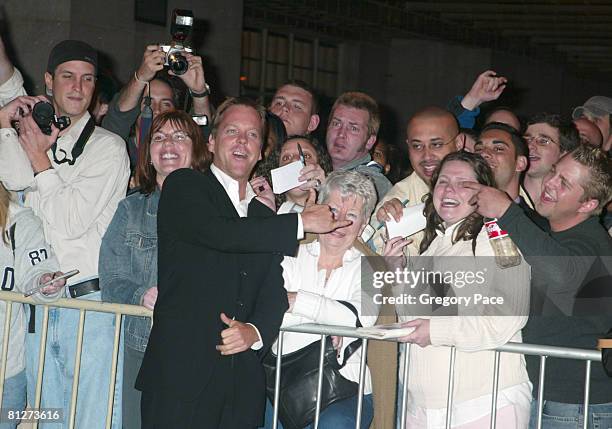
(43, 114)
(180, 30)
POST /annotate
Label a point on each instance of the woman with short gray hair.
(324, 286)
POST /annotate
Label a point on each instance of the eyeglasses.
(539, 140)
(433, 146)
(176, 137)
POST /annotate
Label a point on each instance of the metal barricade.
(529, 349)
(83, 306)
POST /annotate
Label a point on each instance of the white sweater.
(316, 301)
(472, 335)
(21, 272)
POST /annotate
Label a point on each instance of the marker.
(301, 155)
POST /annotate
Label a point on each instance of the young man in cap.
(73, 180)
(598, 109)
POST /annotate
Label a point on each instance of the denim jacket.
(128, 260)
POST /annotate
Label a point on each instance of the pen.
(301, 155)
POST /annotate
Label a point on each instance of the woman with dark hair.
(128, 255)
(275, 134)
(457, 243)
(318, 165)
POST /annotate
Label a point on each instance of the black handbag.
(299, 380)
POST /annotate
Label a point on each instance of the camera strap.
(78, 147)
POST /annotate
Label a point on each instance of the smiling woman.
(454, 229)
(175, 141)
(128, 255)
(323, 285)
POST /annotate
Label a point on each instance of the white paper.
(392, 330)
(286, 177)
(412, 221)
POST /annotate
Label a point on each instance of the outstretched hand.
(487, 87)
(319, 219)
(489, 202)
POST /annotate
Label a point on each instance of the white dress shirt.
(317, 302)
(232, 190)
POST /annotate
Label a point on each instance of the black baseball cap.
(71, 50)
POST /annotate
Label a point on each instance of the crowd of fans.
(158, 211)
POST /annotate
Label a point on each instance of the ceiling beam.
(577, 25)
(477, 16)
(573, 40)
(539, 8)
(556, 32)
(584, 48)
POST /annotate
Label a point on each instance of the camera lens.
(43, 113)
(178, 63)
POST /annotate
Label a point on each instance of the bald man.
(588, 132)
(431, 134)
(504, 116)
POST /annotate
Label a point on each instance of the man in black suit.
(221, 298)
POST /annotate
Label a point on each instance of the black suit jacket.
(212, 261)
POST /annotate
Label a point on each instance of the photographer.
(73, 180)
(124, 113)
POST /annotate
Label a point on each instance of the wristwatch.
(202, 94)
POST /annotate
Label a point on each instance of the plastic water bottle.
(506, 253)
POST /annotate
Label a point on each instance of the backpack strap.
(32, 321)
(11, 233)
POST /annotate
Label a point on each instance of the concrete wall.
(410, 74)
(403, 75)
(32, 29)
(423, 72)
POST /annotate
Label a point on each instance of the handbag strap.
(355, 345)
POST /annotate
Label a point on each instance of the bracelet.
(138, 79)
(202, 94)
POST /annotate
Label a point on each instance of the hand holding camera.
(17, 108)
(152, 62)
(35, 143)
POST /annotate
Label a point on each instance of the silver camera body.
(175, 59)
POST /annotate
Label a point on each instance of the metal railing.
(528, 349)
(323, 330)
(83, 306)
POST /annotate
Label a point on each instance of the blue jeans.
(96, 360)
(340, 415)
(557, 415)
(13, 398)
